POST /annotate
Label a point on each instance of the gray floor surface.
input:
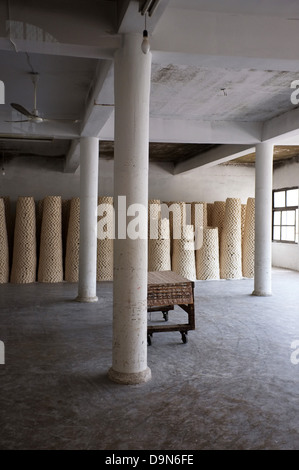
(232, 386)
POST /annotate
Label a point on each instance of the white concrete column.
(89, 158)
(132, 93)
(263, 219)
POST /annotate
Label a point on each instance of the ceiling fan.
(34, 115)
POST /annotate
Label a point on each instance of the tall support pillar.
(132, 94)
(89, 158)
(263, 219)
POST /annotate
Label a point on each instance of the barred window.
(285, 215)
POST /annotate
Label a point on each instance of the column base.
(261, 293)
(130, 378)
(86, 299)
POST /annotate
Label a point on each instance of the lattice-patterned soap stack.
(65, 218)
(177, 219)
(231, 246)
(154, 216)
(210, 214)
(50, 267)
(248, 240)
(183, 257)
(24, 251)
(73, 242)
(218, 217)
(243, 217)
(198, 220)
(159, 248)
(207, 257)
(4, 250)
(105, 239)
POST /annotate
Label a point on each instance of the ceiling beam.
(104, 50)
(100, 102)
(202, 132)
(282, 128)
(72, 159)
(46, 129)
(215, 156)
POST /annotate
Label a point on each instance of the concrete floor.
(232, 386)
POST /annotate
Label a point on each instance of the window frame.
(282, 209)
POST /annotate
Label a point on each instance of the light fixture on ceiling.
(145, 45)
(147, 7)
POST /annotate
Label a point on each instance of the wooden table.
(165, 289)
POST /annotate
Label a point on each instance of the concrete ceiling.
(280, 154)
(221, 77)
(189, 92)
(161, 152)
(244, 7)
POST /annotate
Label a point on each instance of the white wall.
(285, 255)
(40, 177)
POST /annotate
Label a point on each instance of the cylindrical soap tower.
(105, 239)
(73, 242)
(50, 267)
(24, 251)
(231, 241)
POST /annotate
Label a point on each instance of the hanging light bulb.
(145, 45)
(3, 171)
